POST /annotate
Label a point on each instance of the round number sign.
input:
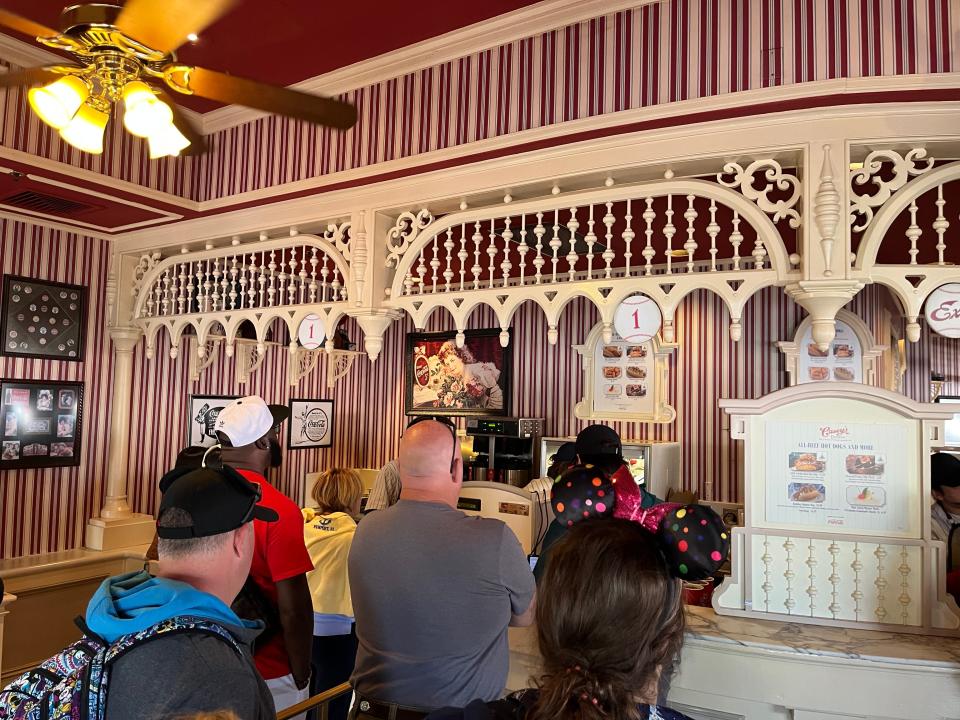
(942, 310)
(637, 319)
(311, 334)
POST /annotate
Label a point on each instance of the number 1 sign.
(310, 333)
(637, 319)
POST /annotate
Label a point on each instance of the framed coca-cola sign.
(444, 378)
(311, 424)
(204, 410)
(942, 310)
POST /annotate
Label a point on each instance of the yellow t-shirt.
(328, 539)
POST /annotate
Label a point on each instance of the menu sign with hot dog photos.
(844, 476)
(623, 376)
(842, 361)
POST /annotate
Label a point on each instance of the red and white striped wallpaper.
(658, 53)
(47, 509)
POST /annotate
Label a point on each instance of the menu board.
(845, 476)
(842, 361)
(623, 376)
(41, 423)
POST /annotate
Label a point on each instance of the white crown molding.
(96, 178)
(683, 108)
(625, 157)
(525, 22)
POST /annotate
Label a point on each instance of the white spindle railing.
(244, 278)
(576, 242)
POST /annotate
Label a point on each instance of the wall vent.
(48, 204)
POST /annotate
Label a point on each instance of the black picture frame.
(300, 408)
(194, 402)
(51, 419)
(58, 310)
(484, 347)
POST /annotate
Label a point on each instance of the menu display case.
(655, 465)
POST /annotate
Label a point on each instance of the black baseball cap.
(944, 470)
(217, 500)
(596, 440)
(565, 453)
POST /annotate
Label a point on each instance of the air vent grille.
(42, 203)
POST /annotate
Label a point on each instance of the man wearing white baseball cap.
(277, 591)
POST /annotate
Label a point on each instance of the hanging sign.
(637, 319)
(942, 310)
(311, 334)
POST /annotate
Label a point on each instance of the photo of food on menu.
(840, 362)
(622, 372)
(41, 423)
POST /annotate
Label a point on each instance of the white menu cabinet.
(655, 465)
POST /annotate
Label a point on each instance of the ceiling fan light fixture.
(167, 140)
(57, 103)
(85, 131)
(144, 114)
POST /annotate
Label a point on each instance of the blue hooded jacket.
(199, 672)
(133, 602)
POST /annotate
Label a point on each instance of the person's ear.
(937, 494)
(263, 443)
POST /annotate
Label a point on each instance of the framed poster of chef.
(202, 418)
(311, 424)
(41, 421)
(443, 378)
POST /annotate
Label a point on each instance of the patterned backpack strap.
(99, 676)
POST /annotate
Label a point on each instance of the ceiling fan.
(126, 54)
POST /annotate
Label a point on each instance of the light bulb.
(167, 141)
(85, 131)
(58, 102)
(144, 114)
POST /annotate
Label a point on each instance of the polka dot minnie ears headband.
(692, 538)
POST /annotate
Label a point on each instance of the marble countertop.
(704, 626)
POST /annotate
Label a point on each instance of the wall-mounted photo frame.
(42, 319)
(310, 424)
(41, 422)
(202, 418)
(443, 379)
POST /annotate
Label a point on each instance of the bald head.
(426, 451)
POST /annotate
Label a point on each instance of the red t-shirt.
(279, 553)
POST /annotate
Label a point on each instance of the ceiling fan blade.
(25, 26)
(232, 90)
(164, 24)
(31, 76)
(198, 143)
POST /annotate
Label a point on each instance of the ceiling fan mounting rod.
(114, 70)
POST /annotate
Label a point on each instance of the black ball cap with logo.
(217, 500)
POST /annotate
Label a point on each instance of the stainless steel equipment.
(506, 450)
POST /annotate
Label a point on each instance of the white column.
(117, 526)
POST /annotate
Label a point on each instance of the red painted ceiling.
(286, 41)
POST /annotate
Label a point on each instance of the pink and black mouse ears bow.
(692, 538)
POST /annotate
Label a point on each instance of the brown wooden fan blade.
(232, 90)
(25, 26)
(164, 24)
(198, 143)
(31, 76)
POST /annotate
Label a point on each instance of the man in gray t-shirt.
(433, 589)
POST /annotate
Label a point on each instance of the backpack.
(72, 685)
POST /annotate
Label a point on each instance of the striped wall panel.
(46, 510)
(658, 53)
(655, 54)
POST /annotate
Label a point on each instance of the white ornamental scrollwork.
(339, 236)
(827, 210)
(743, 179)
(301, 363)
(904, 167)
(406, 230)
(146, 263)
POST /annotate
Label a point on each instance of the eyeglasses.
(446, 422)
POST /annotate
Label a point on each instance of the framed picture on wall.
(311, 424)
(202, 418)
(42, 319)
(41, 421)
(443, 379)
